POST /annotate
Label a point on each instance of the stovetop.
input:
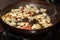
(51, 35)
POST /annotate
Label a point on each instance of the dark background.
(4, 3)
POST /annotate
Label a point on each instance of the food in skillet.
(28, 18)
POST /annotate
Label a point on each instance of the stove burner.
(51, 35)
(9, 36)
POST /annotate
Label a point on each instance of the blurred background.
(4, 3)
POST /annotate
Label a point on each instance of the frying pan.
(51, 11)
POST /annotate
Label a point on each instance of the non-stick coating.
(51, 12)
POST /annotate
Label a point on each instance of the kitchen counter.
(4, 3)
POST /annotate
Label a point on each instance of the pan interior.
(50, 10)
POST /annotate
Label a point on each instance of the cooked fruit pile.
(28, 18)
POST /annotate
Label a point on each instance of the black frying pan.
(51, 10)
